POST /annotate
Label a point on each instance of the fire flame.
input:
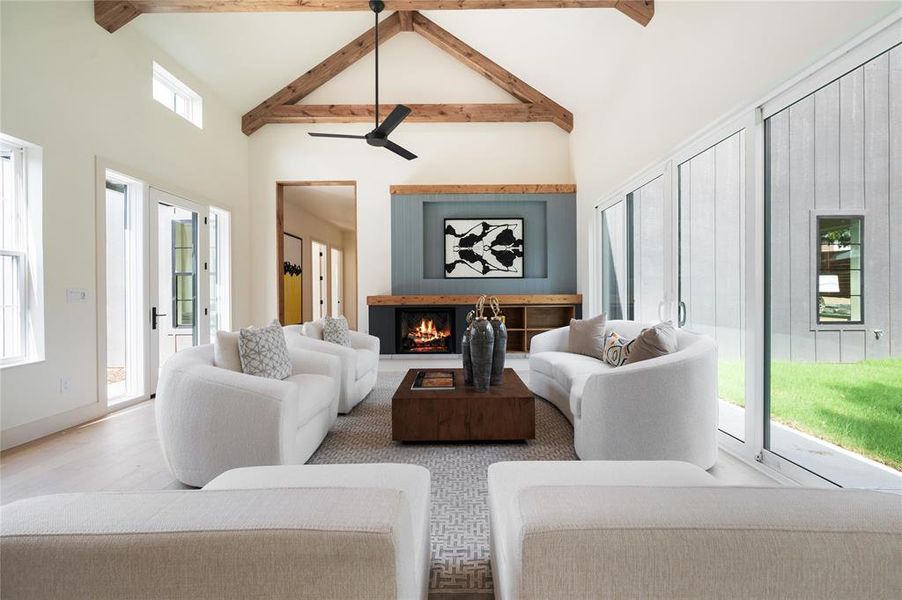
(426, 332)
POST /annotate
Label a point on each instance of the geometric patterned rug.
(460, 519)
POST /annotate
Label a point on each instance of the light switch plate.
(76, 295)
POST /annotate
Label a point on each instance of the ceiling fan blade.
(393, 119)
(389, 145)
(337, 135)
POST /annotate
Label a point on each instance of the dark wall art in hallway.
(483, 248)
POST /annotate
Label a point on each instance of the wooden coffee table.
(506, 412)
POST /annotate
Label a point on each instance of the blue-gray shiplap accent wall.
(417, 237)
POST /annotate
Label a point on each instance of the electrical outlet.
(65, 385)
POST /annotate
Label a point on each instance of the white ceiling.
(245, 58)
(332, 203)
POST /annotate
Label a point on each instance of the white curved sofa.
(359, 362)
(663, 408)
(212, 419)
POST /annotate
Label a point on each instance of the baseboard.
(28, 432)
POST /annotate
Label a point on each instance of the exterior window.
(176, 96)
(13, 254)
(184, 274)
(839, 277)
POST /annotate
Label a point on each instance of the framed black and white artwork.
(483, 248)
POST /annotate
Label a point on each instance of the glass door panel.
(833, 389)
(711, 194)
(614, 261)
(647, 238)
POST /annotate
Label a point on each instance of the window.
(220, 285)
(176, 96)
(839, 281)
(184, 274)
(21, 282)
(13, 253)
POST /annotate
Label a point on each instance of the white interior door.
(318, 279)
(337, 271)
(179, 285)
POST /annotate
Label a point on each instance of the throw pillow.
(314, 329)
(587, 336)
(653, 342)
(264, 352)
(225, 351)
(335, 330)
(616, 349)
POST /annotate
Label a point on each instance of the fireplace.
(426, 331)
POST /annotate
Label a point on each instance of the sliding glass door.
(834, 277)
(711, 196)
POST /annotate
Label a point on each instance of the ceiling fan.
(379, 136)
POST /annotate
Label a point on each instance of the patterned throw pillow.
(264, 352)
(335, 330)
(616, 349)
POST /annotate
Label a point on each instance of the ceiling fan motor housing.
(377, 6)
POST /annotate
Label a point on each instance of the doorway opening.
(316, 257)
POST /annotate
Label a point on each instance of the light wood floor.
(122, 452)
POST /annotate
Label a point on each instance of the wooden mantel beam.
(110, 14)
(420, 113)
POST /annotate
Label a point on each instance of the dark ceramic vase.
(465, 356)
(482, 345)
(499, 329)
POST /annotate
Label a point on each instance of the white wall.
(449, 153)
(695, 63)
(80, 93)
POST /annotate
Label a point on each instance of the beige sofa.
(599, 529)
(317, 532)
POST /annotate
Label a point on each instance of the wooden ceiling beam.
(321, 73)
(640, 11)
(420, 113)
(492, 71)
(113, 14)
(406, 20)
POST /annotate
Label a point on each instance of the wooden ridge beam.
(492, 71)
(420, 113)
(321, 73)
(640, 11)
(406, 20)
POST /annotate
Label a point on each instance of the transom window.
(176, 96)
(839, 281)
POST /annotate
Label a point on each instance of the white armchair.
(359, 362)
(663, 408)
(212, 419)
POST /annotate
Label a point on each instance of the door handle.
(681, 313)
(154, 316)
(661, 306)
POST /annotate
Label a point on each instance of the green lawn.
(854, 405)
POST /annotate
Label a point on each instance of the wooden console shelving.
(524, 322)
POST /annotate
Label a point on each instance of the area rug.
(460, 514)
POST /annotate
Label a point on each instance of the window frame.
(176, 274)
(193, 102)
(815, 216)
(27, 250)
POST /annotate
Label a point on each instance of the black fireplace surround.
(391, 325)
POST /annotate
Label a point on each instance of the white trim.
(194, 103)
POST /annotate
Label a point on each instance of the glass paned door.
(648, 239)
(180, 295)
(711, 195)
